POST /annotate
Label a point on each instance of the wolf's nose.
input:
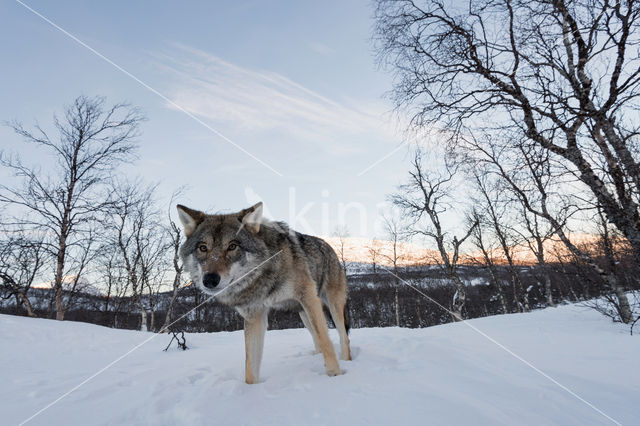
(211, 280)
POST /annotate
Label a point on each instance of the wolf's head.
(221, 249)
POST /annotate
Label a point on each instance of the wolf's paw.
(251, 380)
(334, 372)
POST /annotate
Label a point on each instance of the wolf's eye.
(232, 246)
(203, 248)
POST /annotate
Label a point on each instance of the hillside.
(358, 250)
(439, 375)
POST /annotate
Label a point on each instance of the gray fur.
(265, 265)
(264, 286)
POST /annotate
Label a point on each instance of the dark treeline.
(371, 299)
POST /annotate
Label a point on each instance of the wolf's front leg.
(255, 325)
(313, 308)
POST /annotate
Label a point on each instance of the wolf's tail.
(347, 317)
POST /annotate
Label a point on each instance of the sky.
(278, 101)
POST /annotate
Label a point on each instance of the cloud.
(321, 48)
(261, 101)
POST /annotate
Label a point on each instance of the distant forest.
(371, 299)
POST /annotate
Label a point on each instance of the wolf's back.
(322, 261)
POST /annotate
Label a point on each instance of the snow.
(476, 281)
(448, 374)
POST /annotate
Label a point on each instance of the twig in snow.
(180, 339)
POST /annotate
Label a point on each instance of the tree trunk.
(59, 305)
(107, 298)
(623, 305)
(503, 300)
(624, 310)
(496, 281)
(153, 320)
(58, 279)
(459, 298)
(520, 296)
(27, 304)
(143, 318)
(525, 293)
(396, 298)
(547, 287)
(174, 296)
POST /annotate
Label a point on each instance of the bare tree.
(92, 141)
(425, 195)
(537, 165)
(492, 198)
(621, 309)
(396, 232)
(479, 240)
(113, 279)
(79, 261)
(21, 261)
(563, 75)
(153, 268)
(537, 232)
(175, 235)
(375, 252)
(136, 235)
(530, 180)
(342, 233)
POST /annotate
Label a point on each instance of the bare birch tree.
(375, 252)
(492, 199)
(342, 233)
(529, 177)
(21, 262)
(112, 278)
(479, 239)
(425, 196)
(396, 232)
(617, 303)
(92, 140)
(536, 233)
(563, 75)
(174, 233)
(135, 234)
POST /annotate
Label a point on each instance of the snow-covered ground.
(441, 375)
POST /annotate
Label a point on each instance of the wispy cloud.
(321, 48)
(256, 100)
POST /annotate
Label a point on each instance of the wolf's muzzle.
(211, 280)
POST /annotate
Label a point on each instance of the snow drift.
(448, 374)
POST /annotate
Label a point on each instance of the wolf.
(255, 265)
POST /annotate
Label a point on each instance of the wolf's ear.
(190, 218)
(252, 217)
